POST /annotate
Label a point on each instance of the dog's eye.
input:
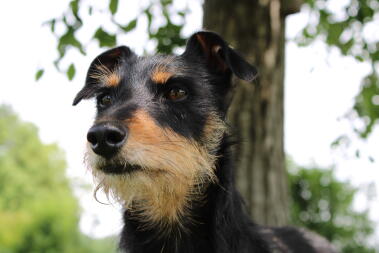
(176, 94)
(104, 101)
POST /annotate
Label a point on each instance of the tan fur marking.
(174, 172)
(110, 78)
(213, 132)
(162, 72)
(161, 76)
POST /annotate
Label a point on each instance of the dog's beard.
(173, 171)
(170, 176)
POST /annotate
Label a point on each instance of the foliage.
(349, 31)
(166, 34)
(325, 205)
(38, 212)
(342, 30)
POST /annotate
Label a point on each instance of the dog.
(160, 146)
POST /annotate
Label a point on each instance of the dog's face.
(159, 123)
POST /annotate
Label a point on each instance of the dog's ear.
(219, 57)
(104, 71)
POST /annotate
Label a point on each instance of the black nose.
(106, 139)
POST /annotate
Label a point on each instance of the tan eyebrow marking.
(161, 77)
(111, 78)
(162, 71)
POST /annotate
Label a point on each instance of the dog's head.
(159, 123)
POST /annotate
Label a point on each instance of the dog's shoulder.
(292, 240)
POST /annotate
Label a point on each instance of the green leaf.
(375, 55)
(359, 58)
(52, 25)
(149, 18)
(168, 38)
(68, 40)
(337, 142)
(74, 5)
(113, 6)
(39, 74)
(165, 3)
(345, 47)
(365, 12)
(64, 19)
(182, 13)
(132, 24)
(334, 33)
(71, 72)
(105, 39)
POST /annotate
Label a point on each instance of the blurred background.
(308, 152)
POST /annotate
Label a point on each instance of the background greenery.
(38, 211)
(323, 204)
(341, 29)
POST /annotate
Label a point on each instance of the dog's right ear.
(104, 71)
(220, 58)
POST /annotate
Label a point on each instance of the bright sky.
(320, 89)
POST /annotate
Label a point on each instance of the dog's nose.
(106, 139)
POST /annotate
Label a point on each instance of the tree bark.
(256, 29)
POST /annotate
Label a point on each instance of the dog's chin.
(118, 169)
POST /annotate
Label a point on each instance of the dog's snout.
(106, 139)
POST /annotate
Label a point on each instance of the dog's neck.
(219, 218)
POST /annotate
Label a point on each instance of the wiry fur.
(174, 172)
(172, 169)
(109, 77)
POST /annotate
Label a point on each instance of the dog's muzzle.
(106, 139)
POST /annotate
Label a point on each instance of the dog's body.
(160, 146)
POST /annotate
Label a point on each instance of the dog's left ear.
(219, 57)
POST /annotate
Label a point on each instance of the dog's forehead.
(158, 68)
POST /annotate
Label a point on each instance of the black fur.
(220, 224)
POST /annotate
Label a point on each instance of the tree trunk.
(256, 29)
